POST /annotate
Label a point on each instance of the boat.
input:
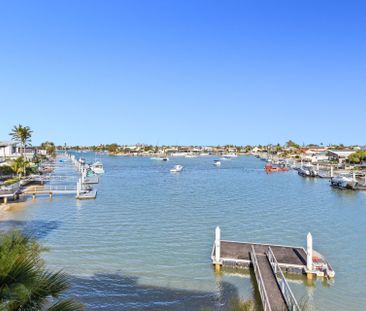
(177, 168)
(322, 266)
(190, 156)
(87, 195)
(204, 154)
(217, 163)
(343, 181)
(271, 168)
(160, 158)
(97, 167)
(45, 169)
(307, 170)
(230, 155)
(81, 161)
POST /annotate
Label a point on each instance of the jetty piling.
(217, 248)
(309, 257)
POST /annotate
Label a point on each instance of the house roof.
(5, 143)
(340, 153)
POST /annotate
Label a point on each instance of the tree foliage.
(21, 134)
(50, 148)
(358, 157)
(25, 284)
(19, 165)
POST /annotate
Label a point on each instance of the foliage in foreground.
(25, 284)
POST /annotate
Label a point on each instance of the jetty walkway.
(269, 263)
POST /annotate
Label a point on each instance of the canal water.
(145, 242)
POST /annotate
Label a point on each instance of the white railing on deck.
(36, 189)
(282, 282)
(260, 282)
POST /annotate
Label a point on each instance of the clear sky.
(184, 72)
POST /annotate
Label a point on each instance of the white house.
(8, 149)
(315, 155)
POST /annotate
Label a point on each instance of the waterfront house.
(8, 150)
(339, 155)
(315, 155)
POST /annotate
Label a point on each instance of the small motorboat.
(307, 170)
(343, 181)
(82, 161)
(271, 168)
(177, 168)
(97, 167)
(217, 163)
(160, 158)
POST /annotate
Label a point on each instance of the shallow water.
(145, 242)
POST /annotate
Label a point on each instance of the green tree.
(112, 148)
(357, 157)
(50, 148)
(25, 284)
(21, 134)
(292, 144)
(19, 165)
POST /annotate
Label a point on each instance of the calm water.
(146, 241)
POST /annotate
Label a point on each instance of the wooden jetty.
(10, 193)
(269, 263)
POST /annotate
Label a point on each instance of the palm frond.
(66, 305)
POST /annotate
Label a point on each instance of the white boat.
(81, 161)
(307, 170)
(190, 156)
(160, 158)
(230, 155)
(217, 163)
(177, 168)
(342, 181)
(97, 167)
(204, 154)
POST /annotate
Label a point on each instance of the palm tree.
(25, 284)
(19, 165)
(21, 134)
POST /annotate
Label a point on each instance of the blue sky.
(184, 72)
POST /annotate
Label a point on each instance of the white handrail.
(282, 282)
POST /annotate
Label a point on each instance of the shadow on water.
(118, 292)
(36, 228)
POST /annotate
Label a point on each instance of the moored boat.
(271, 168)
(307, 171)
(217, 163)
(97, 167)
(343, 181)
(177, 168)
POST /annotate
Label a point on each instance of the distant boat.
(190, 156)
(217, 163)
(230, 155)
(82, 161)
(271, 168)
(160, 158)
(97, 167)
(204, 154)
(307, 171)
(177, 168)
